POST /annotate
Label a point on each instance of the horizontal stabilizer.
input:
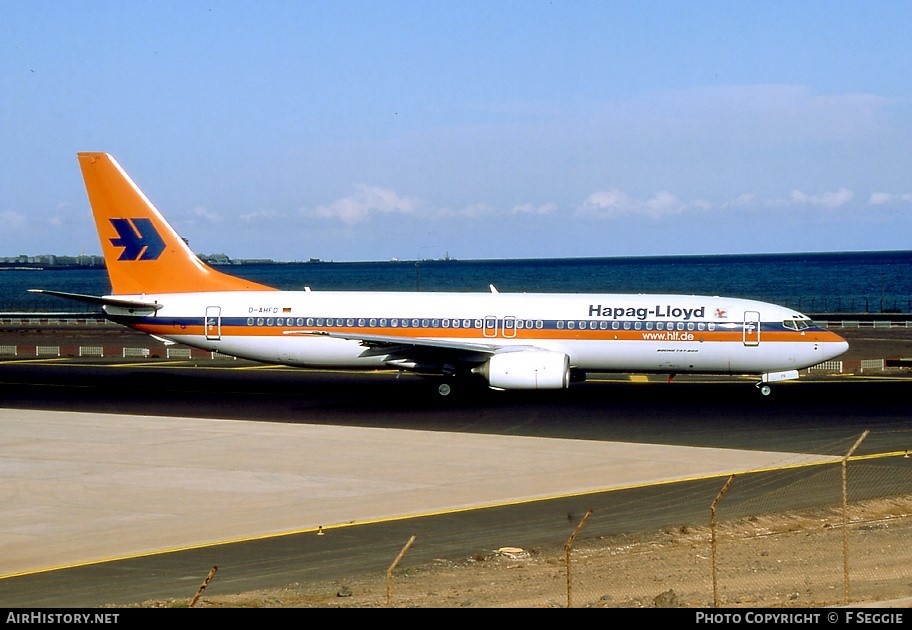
(99, 300)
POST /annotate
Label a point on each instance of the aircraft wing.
(417, 353)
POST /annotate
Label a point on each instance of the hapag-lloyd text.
(665, 311)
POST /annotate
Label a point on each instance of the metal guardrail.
(868, 319)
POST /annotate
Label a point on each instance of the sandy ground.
(790, 561)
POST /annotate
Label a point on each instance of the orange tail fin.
(142, 252)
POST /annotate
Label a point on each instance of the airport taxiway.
(90, 487)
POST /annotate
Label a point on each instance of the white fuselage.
(597, 332)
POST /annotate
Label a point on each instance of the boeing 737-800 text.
(507, 340)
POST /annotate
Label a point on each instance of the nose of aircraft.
(833, 345)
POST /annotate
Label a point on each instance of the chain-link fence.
(828, 534)
(834, 532)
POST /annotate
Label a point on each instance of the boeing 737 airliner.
(510, 341)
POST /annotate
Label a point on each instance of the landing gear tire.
(444, 390)
(764, 390)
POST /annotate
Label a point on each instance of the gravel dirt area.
(793, 560)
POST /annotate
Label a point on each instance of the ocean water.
(812, 283)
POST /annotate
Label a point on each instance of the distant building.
(215, 259)
(53, 260)
(85, 260)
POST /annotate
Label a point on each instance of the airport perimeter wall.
(61, 335)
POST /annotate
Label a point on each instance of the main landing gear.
(456, 386)
(764, 389)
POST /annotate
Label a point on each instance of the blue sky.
(498, 129)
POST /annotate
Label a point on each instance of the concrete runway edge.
(82, 488)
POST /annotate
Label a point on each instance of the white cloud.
(880, 198)
(471, 211)
(262, 215)
(770, 114)
(366, 201)
(608, 203)
(664, 203)
(826, 199)
(744, 199)
(207, 215)
(10, 219)
(529, 208)
(611, 203)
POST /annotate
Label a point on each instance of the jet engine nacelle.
(527, 369)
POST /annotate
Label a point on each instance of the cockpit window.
(797, 324)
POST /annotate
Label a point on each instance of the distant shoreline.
(709, 258)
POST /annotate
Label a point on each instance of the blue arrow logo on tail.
(139, 238)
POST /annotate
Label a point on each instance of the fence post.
(389, 572)
(203, 586)
(712, 525)
(845, 519)
(568, 548)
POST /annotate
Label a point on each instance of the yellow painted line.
(327, 529)
(639, 378)
(151, 365)
(36, 360)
